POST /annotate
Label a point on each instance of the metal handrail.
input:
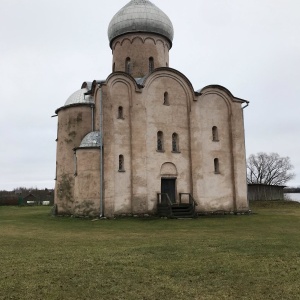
(194, 201)
(168, 198)
(191, 199)
(169, 202)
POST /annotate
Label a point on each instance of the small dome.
(79, 97)
(140, 16)
(92, 139)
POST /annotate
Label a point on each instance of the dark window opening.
(215, 135)
(114, 67)
(216, 166)
(151, 64)
(121, 163)
(166, 99)
(120, 112)
(160, 141)
(175, 143)
(128, 65)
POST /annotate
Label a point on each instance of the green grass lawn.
(221, 257)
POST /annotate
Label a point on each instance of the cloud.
(48, 48)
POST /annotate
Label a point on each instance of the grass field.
(224, 257)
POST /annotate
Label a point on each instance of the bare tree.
(271, 169)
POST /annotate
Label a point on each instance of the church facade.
(144, 137)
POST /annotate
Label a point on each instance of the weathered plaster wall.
(87, 182)
(108, 116)
(212, 191)
(239, 156)
(73, 124)
(121, 94)
(172, 118)
(139, 153)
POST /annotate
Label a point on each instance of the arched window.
(160, 141)
(151, 64)
(175, 142)
(166, 98)
(215, 136)
(216, 166)
(121, 163)
(128, 65)
(120, 112)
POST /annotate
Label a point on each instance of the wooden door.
(168, 186)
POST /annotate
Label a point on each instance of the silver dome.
(92, 139)
(79, 97)
(140, 16)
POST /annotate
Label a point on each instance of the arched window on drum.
(128, 65)
(151, 64)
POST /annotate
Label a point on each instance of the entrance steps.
(184, 208)
(176, 211)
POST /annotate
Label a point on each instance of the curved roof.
(140, 16)
(220, 87)
(92, 140)
(143, 80)
(79, 97)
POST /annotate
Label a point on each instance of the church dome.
(79, 97)
(140, 16)
(91, 140)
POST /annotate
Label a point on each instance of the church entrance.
(168, 186)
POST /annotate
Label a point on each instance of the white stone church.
(144, 141)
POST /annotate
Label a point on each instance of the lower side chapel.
(143, 141)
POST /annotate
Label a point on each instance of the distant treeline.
(292, 190)
(21, 195)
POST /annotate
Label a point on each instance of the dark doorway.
(168, 187)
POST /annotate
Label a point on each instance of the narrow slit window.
(160, 141)
(216, 166)
(128, 65)
(151, 64)
(121, 163)
(120, 113)
(215, 135)
(175, 143)
(114, 67)
(166, 99)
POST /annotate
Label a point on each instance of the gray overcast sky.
(49, 47)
